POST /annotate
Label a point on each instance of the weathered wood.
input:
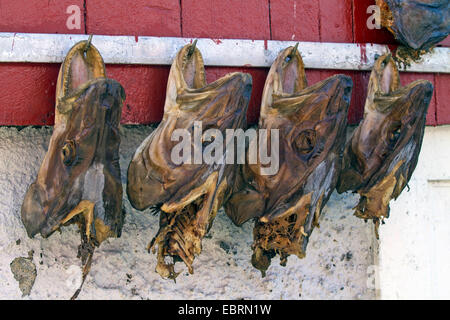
(48, 48)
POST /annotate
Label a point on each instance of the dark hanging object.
(187, 196)
(382, 153)
(312, 124)
(417, 24)
(79, 178)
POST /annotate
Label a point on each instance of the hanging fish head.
(383, 151)
(82, 158)
(181, 168)
(417, 24)
(309, 121)
(191, 109)
(310, 124)
(393, 116)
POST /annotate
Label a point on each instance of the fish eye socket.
(305, 142)
(394, 134)
(68, 152)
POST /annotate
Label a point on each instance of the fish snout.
(143, 189)
(32, 211)
(422, 90)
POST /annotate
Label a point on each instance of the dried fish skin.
(382, 153)
(187, 195)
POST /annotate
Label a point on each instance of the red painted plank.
(145, 88)
(361, 31)
(442, 98)
(230, 19)
(336, 23)
(29, 93)
(359, 95)
(33, 102)
(28, 96)
(259, 78)
(305, 20)
(242, 19)
(295, 20)
(313, 76)
(134, 17)
(41, 16)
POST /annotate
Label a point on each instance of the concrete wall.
(337, 266)
(344, 261)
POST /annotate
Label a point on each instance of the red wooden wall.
(28, 89)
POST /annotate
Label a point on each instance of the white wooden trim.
(51, 48)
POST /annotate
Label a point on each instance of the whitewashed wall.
(414, 261)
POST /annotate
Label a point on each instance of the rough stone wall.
(338, 265)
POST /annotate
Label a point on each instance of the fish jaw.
(184, 223)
